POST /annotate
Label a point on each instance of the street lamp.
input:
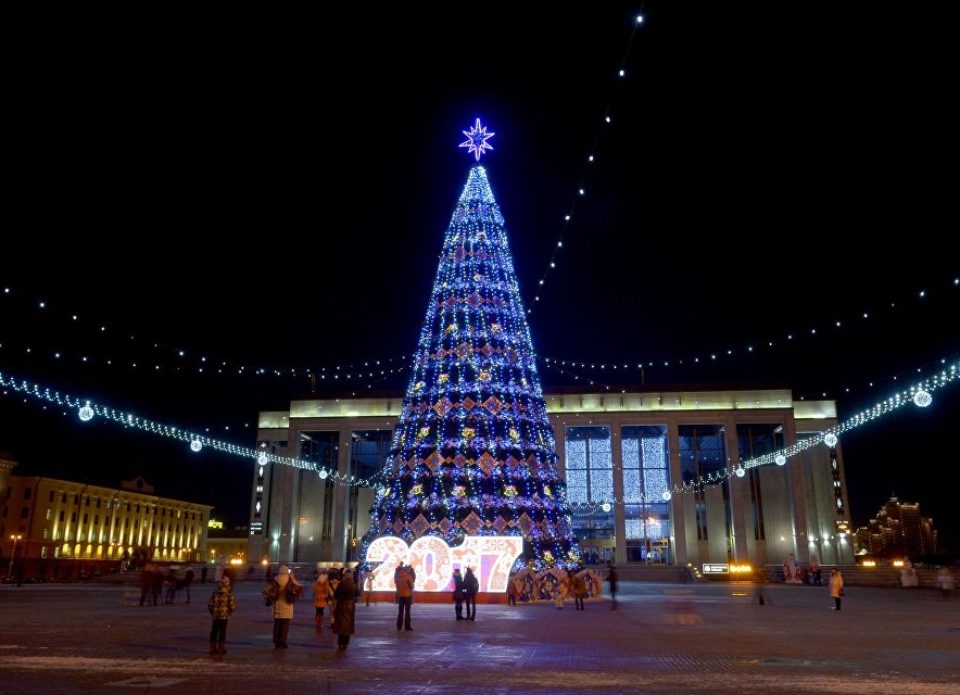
(13, 554)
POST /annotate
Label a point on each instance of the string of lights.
(88, 410)
(167, 357)
(919, 394)
(197, 363)
(752, 348)
(605, 124)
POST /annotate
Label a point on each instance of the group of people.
(155, 583)
(466, 586)
(339, 590)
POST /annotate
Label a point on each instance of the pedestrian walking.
(945, 582)
(612, 578)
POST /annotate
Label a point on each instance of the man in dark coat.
(471, 586)
(458, 593)
(612, 578)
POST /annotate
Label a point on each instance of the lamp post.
(13, 553)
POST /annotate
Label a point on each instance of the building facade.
(58, 519)
(618, 454)
(898, 529)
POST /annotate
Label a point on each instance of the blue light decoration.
(476, 141)
(473, 452)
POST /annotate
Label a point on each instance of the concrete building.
(618, 453)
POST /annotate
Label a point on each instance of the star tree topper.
(477, 140)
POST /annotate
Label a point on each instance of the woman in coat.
(321, 594)
(287, 591)
(836, 587)
(343, 612)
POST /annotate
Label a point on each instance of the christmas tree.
(473, 453)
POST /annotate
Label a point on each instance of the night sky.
(274, 194)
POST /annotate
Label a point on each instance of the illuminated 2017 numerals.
(491, 558)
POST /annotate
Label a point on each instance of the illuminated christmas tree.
(473, 453)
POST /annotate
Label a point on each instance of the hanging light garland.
(88, 410)
(919, 394)
(621, 74)
(746, 348)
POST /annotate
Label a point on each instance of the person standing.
(513, 590)
(945, 582)
(283, 591)
(471, 586)
(321, 594)
(187, 581)
(458, 593)
(203, 574)
(836, 587)
(612, 578)
(221, 605)
(369, 582)
(343, 619)
(146, 582)
(405, 582)
(579, 588)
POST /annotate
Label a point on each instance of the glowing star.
(417, 489)
(476, 141)
(469, 433)
(424, 432)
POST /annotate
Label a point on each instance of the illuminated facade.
(618, 454)
(59, 519)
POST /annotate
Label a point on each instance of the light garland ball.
(263, 459)
(86, 413)
(666, 496)
(196, 445)
(323, 474)
(740, 472)
(922, 399)
(780, 460)
(830, 439)
(606, 507)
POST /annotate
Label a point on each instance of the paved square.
(664, 639)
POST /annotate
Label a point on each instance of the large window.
(368, 453)
(702, 460)
(646, 477)
(589, 471)
(753, 441)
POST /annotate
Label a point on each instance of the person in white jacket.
(281, 593)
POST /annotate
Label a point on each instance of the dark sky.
(275, 191)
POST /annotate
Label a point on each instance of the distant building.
(898, 528)
(53, 519)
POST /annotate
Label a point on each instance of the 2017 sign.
(490, 557)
